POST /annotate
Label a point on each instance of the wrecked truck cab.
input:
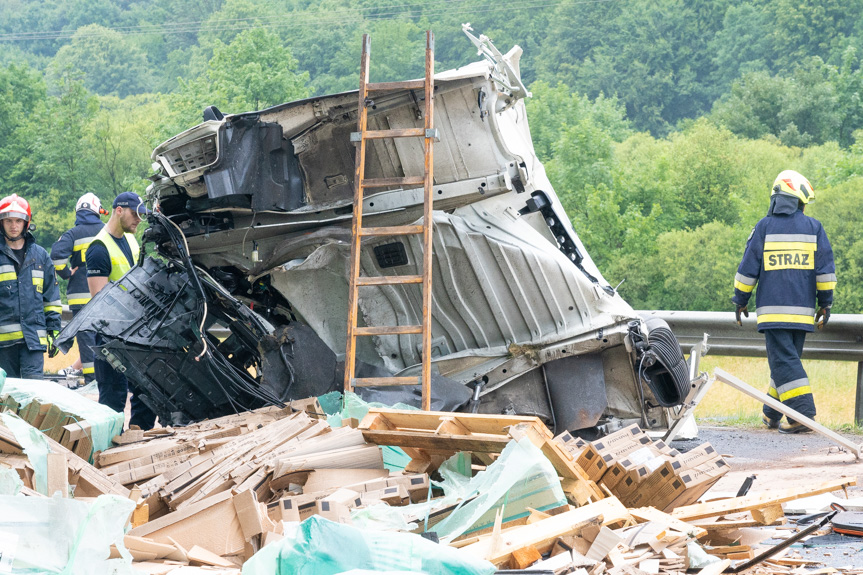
(260, 205)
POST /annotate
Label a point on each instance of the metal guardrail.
(840, 340)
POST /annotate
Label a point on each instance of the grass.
(834, 385)
(53, 365)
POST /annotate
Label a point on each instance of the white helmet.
(89, 201)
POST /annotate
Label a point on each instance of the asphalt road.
(786, 461)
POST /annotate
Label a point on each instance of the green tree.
(698, 267)
(551, 110)
(253, 72)
(108, 63)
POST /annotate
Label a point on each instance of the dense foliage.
(662, 123)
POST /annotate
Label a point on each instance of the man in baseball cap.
(112, 253)
(132, 201)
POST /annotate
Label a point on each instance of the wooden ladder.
(429, 134)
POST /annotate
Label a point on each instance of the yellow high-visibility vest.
(119, 264)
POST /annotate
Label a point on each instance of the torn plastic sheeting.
(64, 536)
(35, 448)
(105, 423)
(10, 483)
(521, 478)
(321, 547)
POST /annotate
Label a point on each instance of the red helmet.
(15, 207)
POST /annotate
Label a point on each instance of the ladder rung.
(387, 182)
(384, 381)
(388, 330)
(388, 280)
(391, 231)
(387, 86)
(400, 133)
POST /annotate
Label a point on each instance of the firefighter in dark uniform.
(111, 254)
(30, 302)
(789, 257)
(68, 254)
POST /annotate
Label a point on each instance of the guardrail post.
(858, 404)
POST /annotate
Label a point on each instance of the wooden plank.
(740, 385)
(398, 133)
(387, 281)
(543, 534)
(475, 422)
(385, 381)
(757, 501)
(645, 514)
(389, 86)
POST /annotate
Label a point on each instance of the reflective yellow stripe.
(821, 286)
(786, 318)
(8, 277)
(796, 392)
(743, 287)
(89, 370)
(79, 301)
(38, 282)
(60, 267)
(772, 393)
(43, 340)
(11, 335)
(54, 308)
(776, 246)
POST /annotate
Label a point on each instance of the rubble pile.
(280, 490)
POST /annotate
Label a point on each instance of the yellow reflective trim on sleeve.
(43, 340)
(796, 392)
(79, 301)
(54, 308)
(743, 287)
(60, 267)
(782, 246)
(786, 318)
(772, 393)
(11, 335)
(822, 286)
(89, 370)
(11, 276)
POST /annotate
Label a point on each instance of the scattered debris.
(261, 489)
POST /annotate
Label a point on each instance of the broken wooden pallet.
(429, 437)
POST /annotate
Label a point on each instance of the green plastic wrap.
(105, 423)
(521, 478)
(318, 546)
(35, 448)
(59, 536)
(10, 483)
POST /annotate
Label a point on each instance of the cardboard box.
(333, 511)
(347, 497)
(395, 495)
(574, 445)
(695, 483)
(626, 436)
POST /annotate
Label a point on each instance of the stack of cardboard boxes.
(642, 472)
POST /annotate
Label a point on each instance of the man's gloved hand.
(822, 317)
(53, 350)
(741, 309)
